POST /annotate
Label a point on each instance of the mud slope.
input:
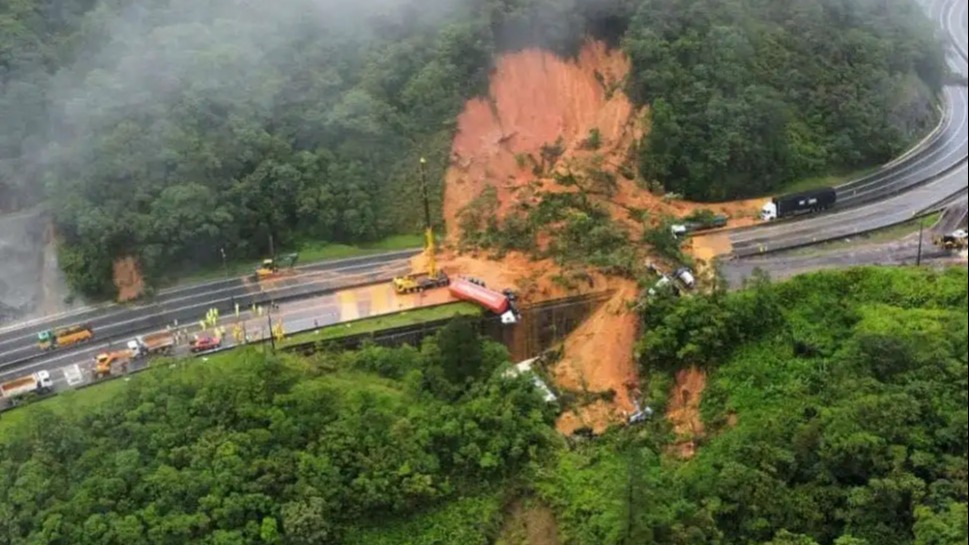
(537, 100)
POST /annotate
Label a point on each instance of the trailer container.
(39, 383)
(162, 342)
(64, 336)
(804, 202)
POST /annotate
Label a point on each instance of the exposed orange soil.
(127, 278)
(684, 409)
(598, 356)
(536, 98)
(596, 415)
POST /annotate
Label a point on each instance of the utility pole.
(918, 257)
(225, 267)
(272, 250)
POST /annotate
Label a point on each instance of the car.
(201, 344)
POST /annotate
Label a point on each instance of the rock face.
(31, 283)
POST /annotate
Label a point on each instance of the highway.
(854, 252)
(189, 304)
(846, 223)
(73, 368)
(933, 171)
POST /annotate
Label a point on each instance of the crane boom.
(428, 230)
(431, 277)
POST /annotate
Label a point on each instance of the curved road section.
(931, 173)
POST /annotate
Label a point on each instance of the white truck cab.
(137, 348)
(43, 379)
(768, 212)
(685, 275)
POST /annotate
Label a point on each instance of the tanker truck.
(474, 291)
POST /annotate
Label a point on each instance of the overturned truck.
(474, 291)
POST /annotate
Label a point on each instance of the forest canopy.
(170, 130)
(835, 413)
(246, 449)
(749, 94)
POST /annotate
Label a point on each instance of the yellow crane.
(431, 277)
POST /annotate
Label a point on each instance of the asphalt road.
(71, 369)
(846, 223)
(18, 344)
(904, 251)
(863, 205)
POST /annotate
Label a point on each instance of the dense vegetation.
(168, 130)
(748, 94)
(576, 226)
(249, 449)
(835, 413)
(850, 394)
(173, 129)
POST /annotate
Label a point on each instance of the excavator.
(432, 277)
(271, 267)
(104, 362)
(956, 240)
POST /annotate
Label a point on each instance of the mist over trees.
(168, 130)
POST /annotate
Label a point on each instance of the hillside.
(541, 195)
(169, 131)
(834, 412)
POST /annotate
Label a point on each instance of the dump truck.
(64, 336)
(161, 343)
(500, 303)
(956, 240)
(794, 204)
(431, 277)
(105, 361)
(39, 383)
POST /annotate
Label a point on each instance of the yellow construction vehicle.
(272, 266)
(65, 336)
(956, 240)
(104, 362)
(432, 277)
